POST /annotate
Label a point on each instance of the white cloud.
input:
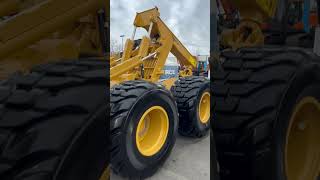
(188, 19)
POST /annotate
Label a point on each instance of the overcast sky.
(188, 19)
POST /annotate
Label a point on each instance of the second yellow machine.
(145, 112)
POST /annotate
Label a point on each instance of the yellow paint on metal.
(302, 150)
(204, 108)
(247, 34)
(144, 18)
(168, 83)
(124, 67)
(106, 174)
(144, 46)
(152, 131)
(268, 6)
(149, 58)
(8, 7)
(185, 71)
(193, 61)
(46, 18)
(40, 32)
(256, 10)
(253, 13)
(127, 50)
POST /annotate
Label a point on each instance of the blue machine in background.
(170, 71)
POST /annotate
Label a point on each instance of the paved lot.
(189, 160)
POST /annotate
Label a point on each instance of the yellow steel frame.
(40, 31)
(253, 13)
(257, 10)
(147, 61)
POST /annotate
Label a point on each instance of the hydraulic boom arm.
(152, 18)
(147, 59)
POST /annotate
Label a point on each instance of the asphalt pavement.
(189, 160)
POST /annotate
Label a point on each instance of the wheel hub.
(204, 108)
(302, 146)
(152, 131)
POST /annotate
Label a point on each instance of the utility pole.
(122, 36)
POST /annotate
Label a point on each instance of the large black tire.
(188, 92)
(128, 102)
(53, 122)
(254, 96)
(214, 169)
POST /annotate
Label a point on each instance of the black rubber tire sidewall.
(214, 165)
(151, 98)
(70, 135)
(202, 127)
(188, 92)
(85, 151)
(306, 83)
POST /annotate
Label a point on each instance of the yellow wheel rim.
(204, 108)
(302, 157)
(152, 131)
